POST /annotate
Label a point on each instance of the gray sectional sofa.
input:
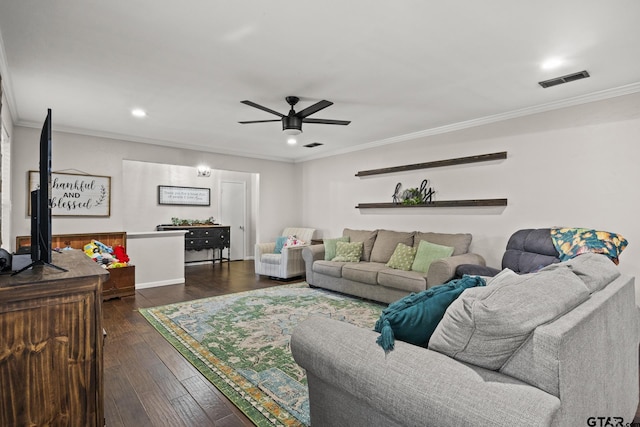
(580, 368)
(371, 279)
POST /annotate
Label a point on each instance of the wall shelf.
(438, 204)
(435, 164)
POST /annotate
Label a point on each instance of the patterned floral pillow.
(402, 257)
(348, 251)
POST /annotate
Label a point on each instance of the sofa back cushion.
(387, 241)
(485, 326)
(529, 250)
(367, 237)
(595, 270)
(459, 242)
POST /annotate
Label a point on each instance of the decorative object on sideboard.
(189, 222)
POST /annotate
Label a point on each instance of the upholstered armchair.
(527, 251)
(286, 264)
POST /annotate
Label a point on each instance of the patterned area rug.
(240, 342)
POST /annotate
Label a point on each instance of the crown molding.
(556, 105)
(151, 141)
(7, 86)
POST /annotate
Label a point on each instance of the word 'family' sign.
(413, 196)
(76, 194)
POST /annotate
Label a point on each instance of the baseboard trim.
(177, 281)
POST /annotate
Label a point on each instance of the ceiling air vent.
(564, 79)
(313, 145)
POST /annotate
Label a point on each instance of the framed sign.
(76, 194)
(191, 196)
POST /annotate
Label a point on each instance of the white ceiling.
(395, 69)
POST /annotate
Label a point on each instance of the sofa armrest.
(443, 270)
(410, 386)
(475, 270)
(310, 254)
(264, 248)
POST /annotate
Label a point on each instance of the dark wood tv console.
(51, 344)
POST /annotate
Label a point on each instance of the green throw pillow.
(427, 253)
(280, 241)
(414, 318)
(348, 251)
(330, 247)
(402, 257)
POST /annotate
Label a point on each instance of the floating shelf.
(436, 164)
(438, 204)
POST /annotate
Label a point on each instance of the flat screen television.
(41, 204)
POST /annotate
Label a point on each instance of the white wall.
(144, 198)
(102, 156)
(574, 167)
(5, 192)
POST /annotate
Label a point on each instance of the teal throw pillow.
(402, 257)
(427, 253)
(414, 318)
(330, 247)
(348, 251)
(280, 241)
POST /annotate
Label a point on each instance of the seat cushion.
(367, 238)
(485, 326)
(409, 281)
(271, 259)
(460, 242)
(328, 268)
(364, 272)
(387, 241)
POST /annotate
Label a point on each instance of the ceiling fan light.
(292, 131)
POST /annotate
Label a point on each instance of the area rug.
(240, 342)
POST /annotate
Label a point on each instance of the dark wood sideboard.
(51, 342)
(199, 237)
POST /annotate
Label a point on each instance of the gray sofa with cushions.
(371, 279)
(580, 365)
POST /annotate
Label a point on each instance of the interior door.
(233, 213)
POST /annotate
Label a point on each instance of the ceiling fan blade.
(260, 107)
(314, 108)
(327, 121)
(260, 121)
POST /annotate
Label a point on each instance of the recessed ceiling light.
(138, 112)
(292, 141)
(551, 63)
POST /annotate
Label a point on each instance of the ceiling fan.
(292, 122)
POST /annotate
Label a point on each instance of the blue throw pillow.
(280, 241)
(414, 318)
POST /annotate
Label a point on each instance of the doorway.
(233, 212)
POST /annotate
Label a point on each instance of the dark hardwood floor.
(146, 381)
